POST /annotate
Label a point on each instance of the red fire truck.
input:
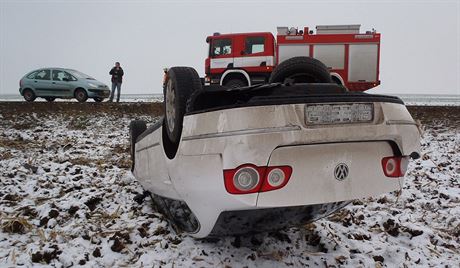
(243, 59)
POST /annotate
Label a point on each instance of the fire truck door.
(221, 53)
(255, 53)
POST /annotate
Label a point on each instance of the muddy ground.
(426, 114)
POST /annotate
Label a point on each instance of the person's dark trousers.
(115, 85)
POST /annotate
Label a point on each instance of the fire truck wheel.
(301, 70)
(180, 84)
(136, 128)
(235, 83)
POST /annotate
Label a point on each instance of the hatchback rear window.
(32, 75)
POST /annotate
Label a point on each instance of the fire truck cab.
(245, 59)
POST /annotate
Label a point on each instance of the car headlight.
(92, 85)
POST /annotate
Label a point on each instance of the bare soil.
(449, 115)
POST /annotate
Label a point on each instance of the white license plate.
(320, 114)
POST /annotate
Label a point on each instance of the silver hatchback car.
(52, 83)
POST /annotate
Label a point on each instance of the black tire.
(29, 95)
(181, 82)
(98, 99)
(81, 95)
(50, 99)
(235, 83)
(301, 70)
(136, 128)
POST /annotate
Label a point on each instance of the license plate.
(320, 114)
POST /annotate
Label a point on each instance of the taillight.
(276, 178)
(395, 166)
(244, 179)
(249, 178)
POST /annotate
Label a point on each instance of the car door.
(42, 83)
(61, 83)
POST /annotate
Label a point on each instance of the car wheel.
(235, 83)
(301, 70)
(182, 81)
(136, 128)
(29, 95)
(81, 95)
(98, 99)
(50, 99)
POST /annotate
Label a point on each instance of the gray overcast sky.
(420, 50)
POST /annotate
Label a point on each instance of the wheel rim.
(80, 95)
(28, 95)
(170, 111)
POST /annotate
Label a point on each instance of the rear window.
(32, 75)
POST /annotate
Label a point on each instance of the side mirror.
(242, 52)
(65, 79)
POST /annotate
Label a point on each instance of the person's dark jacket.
(117, 75)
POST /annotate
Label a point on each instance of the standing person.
(117, 78)
(165, 76)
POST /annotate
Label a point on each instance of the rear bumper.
(269, 219)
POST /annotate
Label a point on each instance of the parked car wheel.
(81, 95)
(136, 128)
(50, 99)
(29, 95)
(98, 99)
(301, 70)
(235, 83)
(182, 81)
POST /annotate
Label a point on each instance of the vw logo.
(341, 171)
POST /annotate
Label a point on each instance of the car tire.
(81, 95)
(235, 83)
(136, 128)
(49, 99)
(29, 95)
(98, 99)
(301, 70)
(180, 84)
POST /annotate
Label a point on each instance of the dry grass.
(79, 123)
(18, 225)
(82, 161)
(18, 143)
(5, 155)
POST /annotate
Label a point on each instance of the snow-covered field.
(66, 198)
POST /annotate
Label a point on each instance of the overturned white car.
(227, 161)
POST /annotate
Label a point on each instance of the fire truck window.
(221, 47)
(255, 45)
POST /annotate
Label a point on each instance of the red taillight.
(276, 178)
(249, 178)
(395, 166)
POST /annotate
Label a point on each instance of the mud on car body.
(227, 161)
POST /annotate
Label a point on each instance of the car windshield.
(80, 75)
